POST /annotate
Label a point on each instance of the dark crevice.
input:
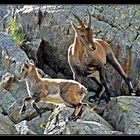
(46, 59)
(131, 20)
(135, 38)
(45, 56)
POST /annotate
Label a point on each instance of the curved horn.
(85, 21)
(89, 22)
(80, 21)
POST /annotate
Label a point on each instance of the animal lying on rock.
(55, 91)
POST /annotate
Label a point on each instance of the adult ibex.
(88, 56)
(55, 91)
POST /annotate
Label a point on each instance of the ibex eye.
(82, 36)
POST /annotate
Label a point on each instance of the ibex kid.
(55, 91)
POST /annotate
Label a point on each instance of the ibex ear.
(27, 63)
(32, 62)
(74, 26)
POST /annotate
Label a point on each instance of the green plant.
(16, 32)
(124, 108)
(42, 125)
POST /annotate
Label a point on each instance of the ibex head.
(84, 32)
(26, 69)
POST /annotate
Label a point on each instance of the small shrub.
(124, 108)
(15, 30)
(42, 125)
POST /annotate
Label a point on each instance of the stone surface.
(12, 56)
(7, 80)
(13, 91)
(34, 126)
(123, 114)
(51, 35)
(89, 123)
(37, 124)
(23, 129)
(6, 125)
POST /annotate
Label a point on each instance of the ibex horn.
(80, 21)
(89, 22)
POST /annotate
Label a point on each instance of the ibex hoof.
(132, 92)
(22, 110)
(107, 100)
(72, 118)
(40, 115)
(93, 98)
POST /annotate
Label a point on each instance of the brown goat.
(88, 56)
(55, 91)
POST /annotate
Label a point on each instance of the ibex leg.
(36, 98)
(84, 105)
(23, 108)
(113, 61)
(103, 81)
(99, 91)
(74, 115)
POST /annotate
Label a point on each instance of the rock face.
(51, 35)
(7, 101)
(6, 125)
(37, 124)
(118, 25)
(23, 129)
(12, 56)
(12, 91)
(89, 123)
(5, 14)
(123, 114)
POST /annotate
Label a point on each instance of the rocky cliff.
(49, 32)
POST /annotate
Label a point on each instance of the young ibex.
(88, 56)
(55, 91)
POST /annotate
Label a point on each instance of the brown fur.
(55, 91)
(128, 63)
